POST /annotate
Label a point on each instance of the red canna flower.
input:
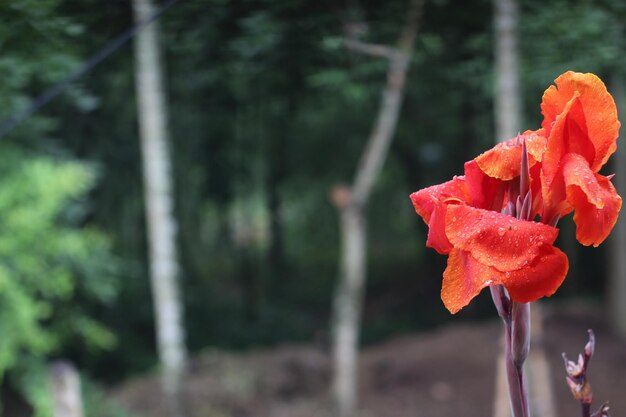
(486, 247)
(484, 219)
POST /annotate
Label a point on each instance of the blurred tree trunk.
(161, 224)
(507, 94)
(617, 265)
(508, 116)
(276, 145)
(351, 203)
(66, 392)
(507, 124)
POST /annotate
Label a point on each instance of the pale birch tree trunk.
(347, 309)
(66, 391)
(507, 124)
(617, 264)
(507, 94)
(161, 224)
(351, 203)
(508, 120)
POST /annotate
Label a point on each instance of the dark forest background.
(268, 112)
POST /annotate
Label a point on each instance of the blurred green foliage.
(42, 254)
(53, 271)
(56, 269)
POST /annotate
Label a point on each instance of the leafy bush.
(48, 261)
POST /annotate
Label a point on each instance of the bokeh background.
(268, 111)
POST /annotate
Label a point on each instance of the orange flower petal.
(465, 277)
(503, 160)
(595, 201)
(554, 196)
(463, 280)
(427, 199)
(484, 191)
(540, 278)
(495, 239)
(430, 203)
(568, 135)
(536, 143)
(598, 108)
(437, 238)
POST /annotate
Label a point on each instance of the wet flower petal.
(554, 199)
(595, 201)
(427, 199)
(430, 203)
(465, 277)
(437, 238)
(568, 135)
(463, 280)
(540, 278)
(483, 191)
(503, 160)
(598, 109)
(497, 240)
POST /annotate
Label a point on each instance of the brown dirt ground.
(448, 372)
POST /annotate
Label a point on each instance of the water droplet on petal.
(501, 231)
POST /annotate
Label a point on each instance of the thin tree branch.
(385, 126)
(372, 49)
(350, 202)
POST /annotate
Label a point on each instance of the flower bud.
(524, 212)
(524, 183)
(591, 344)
